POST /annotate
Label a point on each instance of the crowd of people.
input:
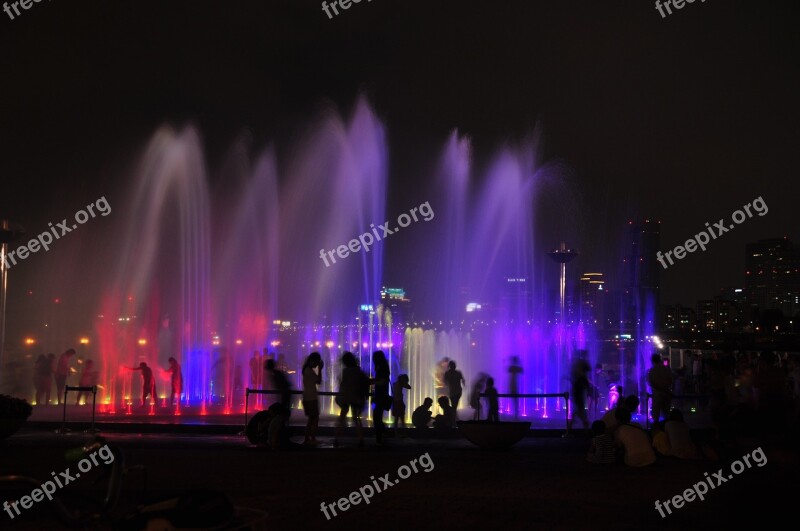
(356, 388)
(757, 391)
(49, 368)
(747, 395)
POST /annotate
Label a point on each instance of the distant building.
(680, 318)
(641, 276)
(516, 299)
(396, 301)
(592, 304)
(772, 276)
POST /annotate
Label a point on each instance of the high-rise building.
(396, 301)
(641, 276)
(679, 318)
(592, 306)
(772, 276)
(706, 315)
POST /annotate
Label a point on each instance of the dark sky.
(683, 119)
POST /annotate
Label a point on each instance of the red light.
(57, 300)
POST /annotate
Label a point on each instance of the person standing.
(281, 384)
(660, 379)
(148, 382)
(62, 372)
(176, 381)
(312, 377)
(352, 396)
(475, 394)
(88, 379)
(492, 402)
(398, 404)
(514, 370)
(381, 402)
(580, 388)
(454, 381)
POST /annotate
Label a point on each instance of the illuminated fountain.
(212, 266)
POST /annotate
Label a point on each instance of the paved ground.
(542, 483)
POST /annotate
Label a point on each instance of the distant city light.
(30, 341)
(471, 307)
(142, 341)
(84, 341)
(239, 341)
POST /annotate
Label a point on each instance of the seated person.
(602, 447)
(680, 440)
(660, 439)
(445, 420)
(422, 415)
(629, 403)
(633, 440)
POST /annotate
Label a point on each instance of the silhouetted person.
(629, 403)
(88, 379)
(238, 380)
(353, 391)
(475, 395)
(398, 404)
(381, 401)
(255, 371)
(660, 379)
(598, 381)
(493, 404)
(447, 418)
(438, 376)
(514, 371)
(580, 388)
(312, 377)
(176, 381)
(61, 373)
(280, 383)
(43, 379)
(148, 382)
(679, 437)
(633, 440)
(454, 381)
(422, 415)
(601, 449)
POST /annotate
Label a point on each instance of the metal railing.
(649, 397)
(564, 395)
(91, 389)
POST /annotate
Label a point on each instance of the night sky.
(683, 119)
